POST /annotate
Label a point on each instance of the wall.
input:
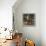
(30, 32)
(43, 22)
(6, 18)
(6, 13)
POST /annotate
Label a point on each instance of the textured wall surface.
(29, 32)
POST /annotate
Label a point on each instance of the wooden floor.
(9, 43)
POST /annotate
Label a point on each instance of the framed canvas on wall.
(29, 19)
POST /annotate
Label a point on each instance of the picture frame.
(29, 19)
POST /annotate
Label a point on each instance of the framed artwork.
(29, 19)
